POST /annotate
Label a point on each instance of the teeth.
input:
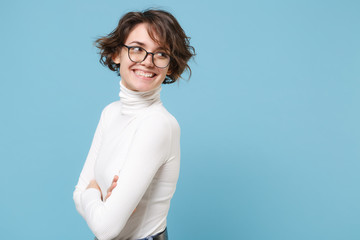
(141, 73)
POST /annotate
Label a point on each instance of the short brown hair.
(167, 29)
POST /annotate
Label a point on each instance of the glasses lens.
(161, 60)
(137, 54)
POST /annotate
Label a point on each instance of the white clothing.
(138, 140)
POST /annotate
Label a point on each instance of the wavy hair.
(169, 34)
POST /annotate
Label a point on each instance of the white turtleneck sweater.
(138, 140)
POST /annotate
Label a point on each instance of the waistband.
(159, 236)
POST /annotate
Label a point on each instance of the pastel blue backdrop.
(270, 118)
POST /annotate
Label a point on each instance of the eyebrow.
(140, 43)
(143, 45)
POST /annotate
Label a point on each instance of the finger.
(113, 185)
(111, 188)
(107, 196)
(109, 191)
(116, 177)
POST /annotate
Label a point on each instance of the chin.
(145, 86)
(140, 87)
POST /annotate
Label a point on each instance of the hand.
(112, 186)
(93, 184)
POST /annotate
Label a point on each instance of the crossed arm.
(93, 184)
(105, 215)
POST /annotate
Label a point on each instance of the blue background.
(270, 118)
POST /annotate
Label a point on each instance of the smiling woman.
(132, 168)
(137, 67)
(162, 28)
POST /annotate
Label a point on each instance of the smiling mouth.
(144, 74)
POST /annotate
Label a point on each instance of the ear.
(116, 58)
(169, 72)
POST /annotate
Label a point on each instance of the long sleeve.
(87, 173)
(149, 150)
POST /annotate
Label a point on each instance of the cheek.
(123, 70)
(163, 74)
(125, 67)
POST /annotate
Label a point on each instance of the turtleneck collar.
(132, 101)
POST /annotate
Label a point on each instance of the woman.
(132, 168)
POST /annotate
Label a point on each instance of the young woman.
(132, 168)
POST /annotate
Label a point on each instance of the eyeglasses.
(138, 55)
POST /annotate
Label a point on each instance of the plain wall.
(269, 119)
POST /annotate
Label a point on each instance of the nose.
(148, 61)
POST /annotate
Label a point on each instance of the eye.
(137, 49)
(161, 55)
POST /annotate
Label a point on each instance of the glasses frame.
(147, 53)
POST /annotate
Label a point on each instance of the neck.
(132, 101)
